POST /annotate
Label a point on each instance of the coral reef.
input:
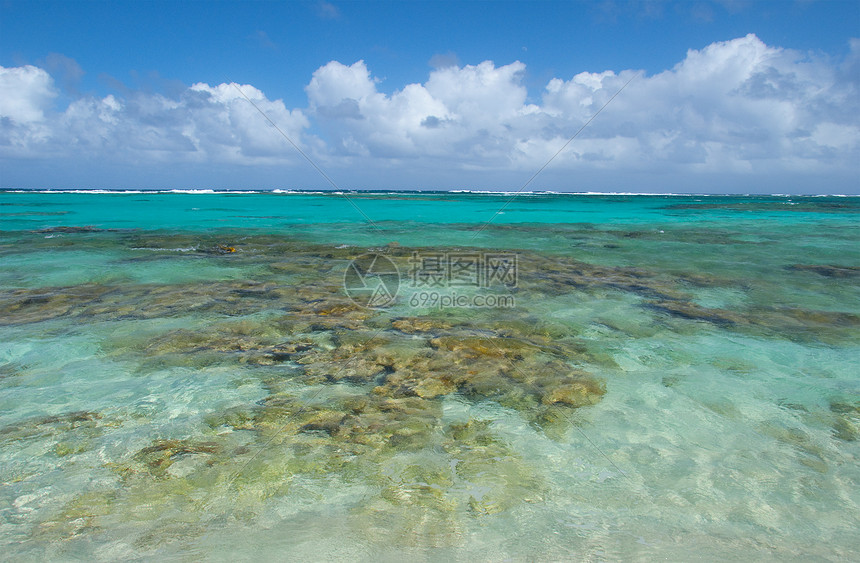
(360, 394)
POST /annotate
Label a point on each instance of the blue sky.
(728, 96)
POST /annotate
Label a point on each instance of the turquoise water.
(187, 375)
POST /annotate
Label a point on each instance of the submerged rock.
(159, 457)
(76, 229)
(413, 325)
(827, 270)
(691, 311)
(82, 515)
(846, 420)
(777, 321)
(81, 422)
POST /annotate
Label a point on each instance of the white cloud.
(205, 124)
(25, 94)
(463, 113)
(219, 121)
(730, 106)
(740, 108)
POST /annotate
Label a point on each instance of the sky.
(697, 96)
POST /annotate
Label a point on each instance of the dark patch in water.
(691, 311)
(70, 432)
(827, 270)
(35, 213)
(83, 229)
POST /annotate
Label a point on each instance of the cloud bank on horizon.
(735, 116)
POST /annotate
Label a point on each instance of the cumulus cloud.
(205, 123)
(726, 107)
(462, 113)
(738, 107)
(25, 94)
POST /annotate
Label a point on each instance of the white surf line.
(558, 152)
(309, 159)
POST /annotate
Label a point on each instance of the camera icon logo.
(372, 280)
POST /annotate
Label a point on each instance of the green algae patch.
(81, 516)
(846, 420)
(71, 429)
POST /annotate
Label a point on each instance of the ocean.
(436, 376)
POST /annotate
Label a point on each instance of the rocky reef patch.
(355, 397)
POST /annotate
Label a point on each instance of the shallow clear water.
(185, 376)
